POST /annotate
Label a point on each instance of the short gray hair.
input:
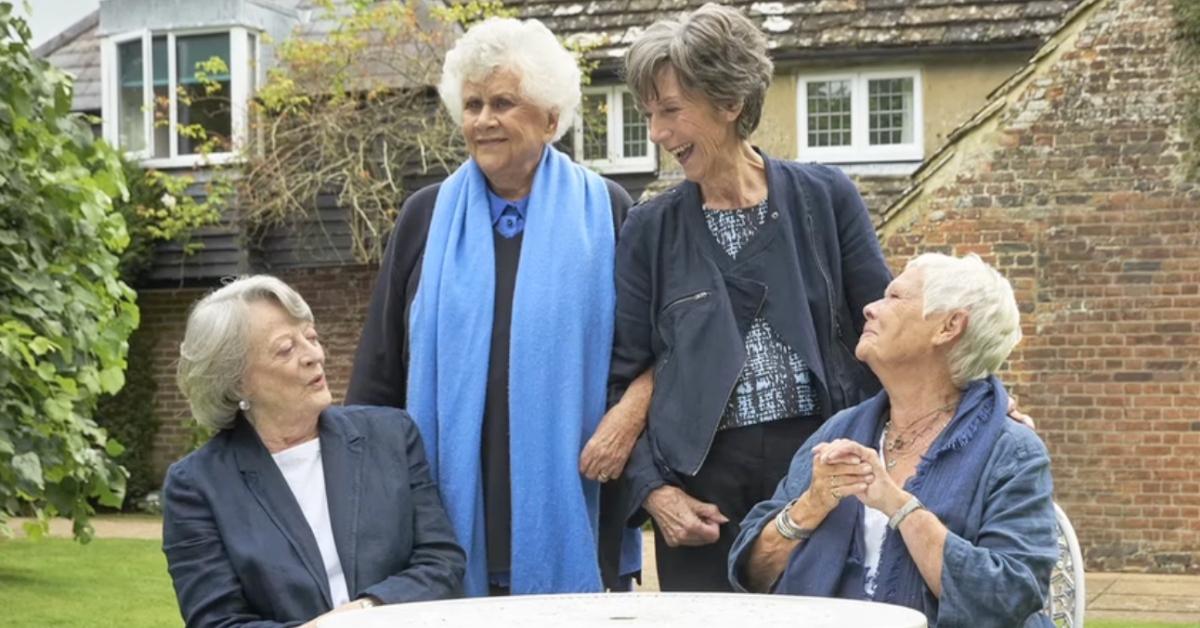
(549, 74)
(212, 356)
(993, 319)
(715, 51)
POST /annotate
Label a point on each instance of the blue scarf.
(560, 344)
(831, 562)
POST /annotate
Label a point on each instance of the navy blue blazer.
(241, 553)
(684, 306)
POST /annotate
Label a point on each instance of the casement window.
(156, 88)
(613, 136)
(861, 117)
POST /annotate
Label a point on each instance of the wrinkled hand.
(1015, 414)
(880, 491)
(839, 471)
(608, 449)
(683, 519)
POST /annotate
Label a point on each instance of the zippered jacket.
(684, 306)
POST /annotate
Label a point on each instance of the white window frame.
(240, 67)
(859, 151)
(616, 163)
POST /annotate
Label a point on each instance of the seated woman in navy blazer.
(295, 508)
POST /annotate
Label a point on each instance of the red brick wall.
(338, 298)
(1078, 196)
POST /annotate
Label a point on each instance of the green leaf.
(41, 345)
(114, 448)
(112, 379)
(29, 469)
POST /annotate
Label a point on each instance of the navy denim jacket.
(684, 306)
(996, 570)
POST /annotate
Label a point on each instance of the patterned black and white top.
(775, 383)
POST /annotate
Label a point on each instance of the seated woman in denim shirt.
(951, 512)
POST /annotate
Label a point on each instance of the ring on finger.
(603, 477)
(836, 494)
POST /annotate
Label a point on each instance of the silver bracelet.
(907, 509)
(787, 528)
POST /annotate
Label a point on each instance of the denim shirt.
(995, 571)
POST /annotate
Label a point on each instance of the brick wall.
(879, 191)
(338, 298)
(1075, 190)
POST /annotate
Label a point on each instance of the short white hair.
(212, 356)
(549, 74)
(993, 319)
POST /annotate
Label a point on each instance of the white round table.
(629, 610)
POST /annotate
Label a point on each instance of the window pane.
(130, 106)
(162, 97)
(633, 126)
(890, 111)
(595, 127)
(208, 109)
(828, 113)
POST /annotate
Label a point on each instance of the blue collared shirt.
(510, 223)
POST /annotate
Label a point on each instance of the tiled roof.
(76, 51)
(816, 26)
(794, 29)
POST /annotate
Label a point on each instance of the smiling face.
(896, 333)
(505, 132)
(700, 136)
(285, 365)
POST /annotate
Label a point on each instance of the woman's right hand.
(683, 519)
(838, 472)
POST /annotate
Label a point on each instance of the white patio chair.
(1067, 593)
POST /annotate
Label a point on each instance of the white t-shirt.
(301, 467)
(874, 532)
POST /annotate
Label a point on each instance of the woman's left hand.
(608, 449)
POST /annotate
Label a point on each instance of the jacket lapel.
(266, 483)
(341, 453)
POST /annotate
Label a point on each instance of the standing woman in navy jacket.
(743, 287)
(295, 508)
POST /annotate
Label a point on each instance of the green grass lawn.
(109, 582)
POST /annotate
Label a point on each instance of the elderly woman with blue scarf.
(925, 495)
(492, 323)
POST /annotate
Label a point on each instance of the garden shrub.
(65, 315)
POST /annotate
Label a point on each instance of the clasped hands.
(845, 468)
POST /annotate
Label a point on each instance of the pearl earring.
(244, 405)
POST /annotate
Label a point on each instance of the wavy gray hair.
(549, 74)
(212, 356)
(993, 319)
(715, 51)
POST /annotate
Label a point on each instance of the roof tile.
(816, 24)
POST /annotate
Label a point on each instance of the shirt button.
(774, 215)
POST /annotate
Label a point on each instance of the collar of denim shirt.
(498, 204)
